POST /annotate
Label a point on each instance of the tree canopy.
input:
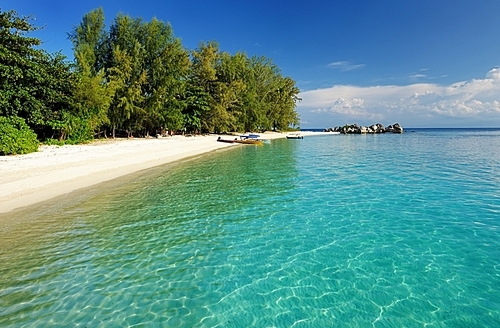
(136, 77)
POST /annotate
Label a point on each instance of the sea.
(387, 230)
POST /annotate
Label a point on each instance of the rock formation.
(375, 128)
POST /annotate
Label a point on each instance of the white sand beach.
(54, 171)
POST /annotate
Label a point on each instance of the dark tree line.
(137, 77)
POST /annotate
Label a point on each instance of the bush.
(16, 137)
(70, 129)
(53, 142)
(80, 131)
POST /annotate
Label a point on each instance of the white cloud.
(345, 66)
(494, 74)
(468, 103)
(417, 76)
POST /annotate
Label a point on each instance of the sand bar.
(54, 171)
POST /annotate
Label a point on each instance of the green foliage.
(16, 137)
(80, 131)
(92, 97)
(136, 76)
(34, 85)
(244, 93)
(197, 103)
(89, 41)
(93, 91)
(21, 71)
(54, 142)
(166, 64)
(72, 129)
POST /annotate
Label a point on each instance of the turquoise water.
(356, 231)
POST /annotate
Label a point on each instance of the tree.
(136, 76)
(232, 72)
(34, 85)
(273, 96)
(262, 81)
(203, 81)
(128, 79)
(56, 90)
(283, 99)
(166, 64)
(217, 77)
(18, 67)
(197, 102)
(93, 91)
(140, 65)
(89, 40)
(126, 72)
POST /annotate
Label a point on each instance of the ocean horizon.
(385, 230)
(423, 129)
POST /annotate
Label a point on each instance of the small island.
(372, 129)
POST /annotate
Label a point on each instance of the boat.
(249, 141)
(294, 136)
(244, 140)
(226, 140)
(249, 136)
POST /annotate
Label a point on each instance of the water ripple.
(330, 231)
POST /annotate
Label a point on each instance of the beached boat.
(294, 136)
(249, 141)
(243, 140)
(249, 136)
(219, 139)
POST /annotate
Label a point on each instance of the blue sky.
(422, 63)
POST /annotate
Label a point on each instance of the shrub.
(16, 137)
(70, 129)
(80, 131)
(53, 142)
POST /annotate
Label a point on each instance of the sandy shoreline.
(54, 171)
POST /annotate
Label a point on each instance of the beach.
(57, 170)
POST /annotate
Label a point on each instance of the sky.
(421, 63)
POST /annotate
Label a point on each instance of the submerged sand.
(54, 171)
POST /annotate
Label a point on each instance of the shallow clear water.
(383, 231)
